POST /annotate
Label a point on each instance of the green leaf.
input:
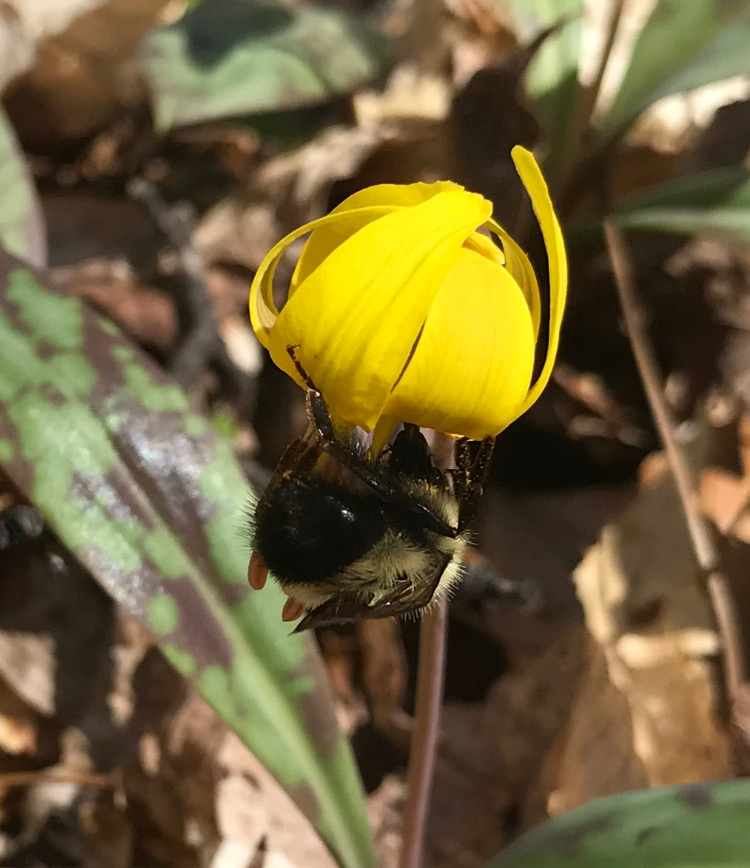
(552, 78)
(691, 826)
(683, 45)
(153, 502)
(22, 228)
(230, 58)
(711, 203)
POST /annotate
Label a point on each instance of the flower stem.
(426, 732)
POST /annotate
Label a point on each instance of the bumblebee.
(349, 537)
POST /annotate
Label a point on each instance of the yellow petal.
(263, 312)
(517, 263)
(531, 175)
(471, 370)
(486, 247)
(357, 316)
(396, 195)
(327, 238)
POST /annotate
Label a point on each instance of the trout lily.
(410, 303)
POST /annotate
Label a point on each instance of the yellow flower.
(400, 309)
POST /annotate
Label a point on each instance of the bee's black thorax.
(308, 528)
(312, 525)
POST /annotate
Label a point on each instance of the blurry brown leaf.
(725, 484)
(644, 606)
(385, 809)
(486, 38)
(470, 795)
(18, 723)
(146, 314)
(81, 78)
(28, 662)
(594, 756)
(25, 23)
(83, 226)
(108, 833)
(384, 677)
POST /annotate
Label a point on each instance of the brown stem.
(704, 546)
(425, 733)
(429, 698)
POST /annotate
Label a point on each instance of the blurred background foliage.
(150, 154)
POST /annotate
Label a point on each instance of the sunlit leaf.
(152, 501)
(716, 203)
(21, 223)
(693, 826)
(683, 45)
(228, 58)
(553, 73)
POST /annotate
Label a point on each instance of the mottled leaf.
(231, 58)
(692, 826)
(152, 501)
(709, 203)
(683, 45)
(21, 223)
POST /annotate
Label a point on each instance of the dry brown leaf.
(82, 77)
(644, 606)
(144, 313)
(384, 678)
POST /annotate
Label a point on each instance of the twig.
(701, 537)
(200, 341)
(425, 733)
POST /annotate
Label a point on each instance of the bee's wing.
(401, 598)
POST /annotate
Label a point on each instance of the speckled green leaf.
(683, 45)
(229, 58)
(709, 203)
(21, 223)
(693, 826)
(152, 501)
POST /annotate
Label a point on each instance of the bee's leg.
(472, 465)
(320, 417)
(460, 473)
(299, 455)
(306, 379)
